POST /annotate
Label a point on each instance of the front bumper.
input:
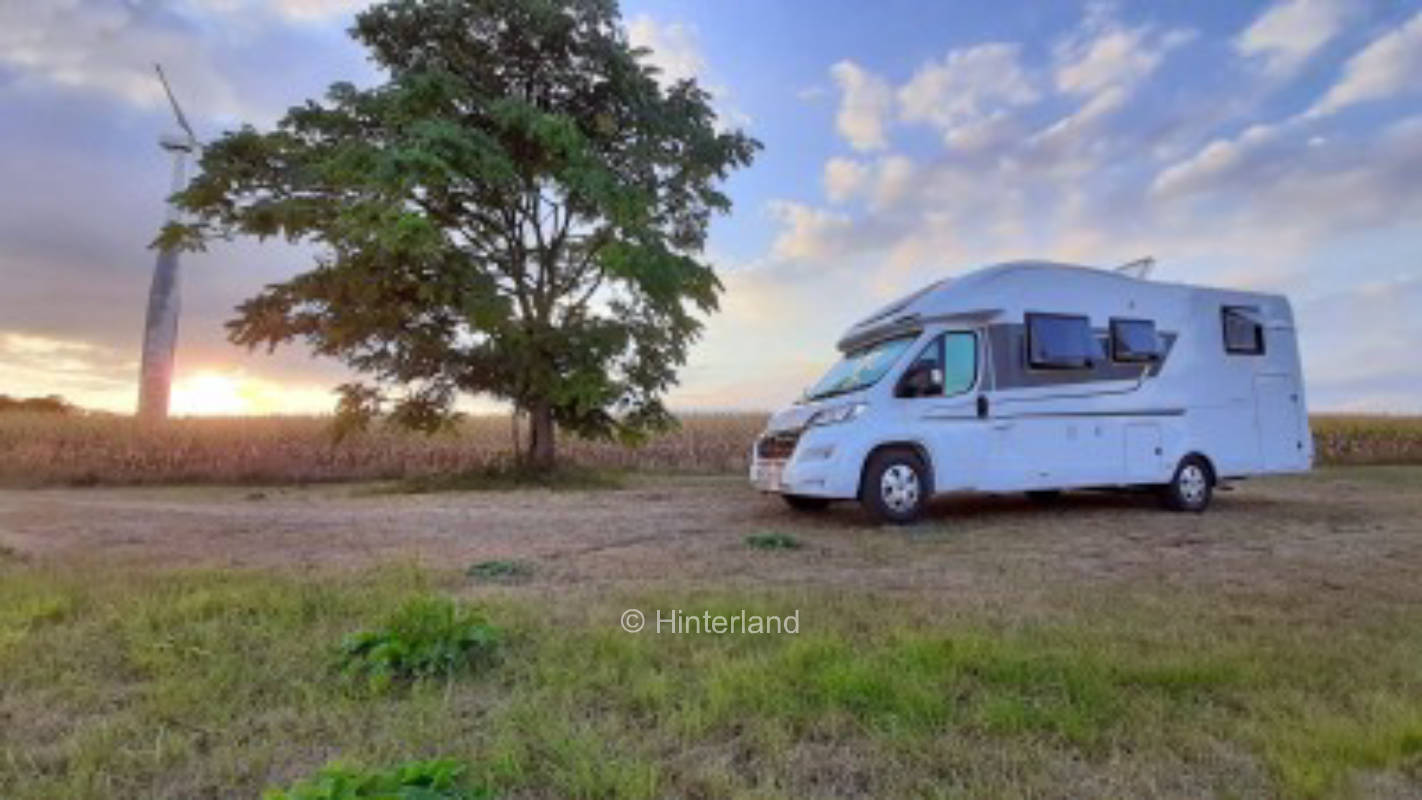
(816, 464)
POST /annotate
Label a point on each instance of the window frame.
(1253, 313)
(977, 359)
(1087, 364)
(1111, 341)
(938, 341)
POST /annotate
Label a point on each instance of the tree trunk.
(513, 430)
(540, 436)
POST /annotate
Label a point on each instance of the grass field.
(40, 449)
(1103, 648)
(208, 684)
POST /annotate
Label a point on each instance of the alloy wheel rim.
(1193, 483)
(899, 488)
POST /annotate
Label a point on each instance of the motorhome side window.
(948, 365)
(1243, 332)
(1060, 341)
(1134, 340)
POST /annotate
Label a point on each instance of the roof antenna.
(1139, 269)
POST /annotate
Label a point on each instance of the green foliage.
(414, 780)
(773, 541)
(425, 638)
(518, 211)
(500, 571)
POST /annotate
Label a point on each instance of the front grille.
(777, 445)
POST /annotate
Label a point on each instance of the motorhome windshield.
(861, 368)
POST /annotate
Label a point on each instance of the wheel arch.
(912, 445)
(1209, 465)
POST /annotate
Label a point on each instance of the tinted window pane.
(924, 375)
(960, 362)
(861, 368)
(1133, 340)
(1243, 333)
(1059, 341)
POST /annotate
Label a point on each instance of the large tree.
(517, 211)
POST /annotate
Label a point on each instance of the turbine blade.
(173, 101)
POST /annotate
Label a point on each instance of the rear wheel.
(801, 502)
(896, 486)
(1191, 488)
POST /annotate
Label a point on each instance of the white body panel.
(1118, 424)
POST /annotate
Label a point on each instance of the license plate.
(767, 477)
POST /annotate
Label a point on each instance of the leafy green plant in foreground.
(773, 541)
(500, 571)
(427, 637)
(413, 780)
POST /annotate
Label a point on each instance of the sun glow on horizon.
(211, 393)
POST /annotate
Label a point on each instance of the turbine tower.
(160, 328)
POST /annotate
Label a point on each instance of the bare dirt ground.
(1340, 528)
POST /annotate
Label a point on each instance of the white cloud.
(809, 233)
(1105, 63)
(1392, 63)
(675, 50)
(892, 179)
(1065, 132)
(865, 103)
(81, 372)
(109, 48)
(1291, 31)
(967, 93)
(1214, 161)
(317, 9)
(1271, 195)
(294, 10)
(843, 178)
(1101, 53)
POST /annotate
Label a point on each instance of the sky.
(1264, 145)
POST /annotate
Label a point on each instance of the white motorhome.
(1040, 377)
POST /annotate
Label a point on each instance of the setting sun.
(210, 393)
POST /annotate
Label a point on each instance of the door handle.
(1001, 426)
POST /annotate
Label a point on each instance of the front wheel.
(801, 502)
(1191, 488)
(896, 486)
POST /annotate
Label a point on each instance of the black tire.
(801, 502)
(896, 486)
(1045, 497)
(1191, 488)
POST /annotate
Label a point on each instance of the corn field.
(1366, 439)
(55, 449)
(49, 449)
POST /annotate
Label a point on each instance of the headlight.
(836, 414)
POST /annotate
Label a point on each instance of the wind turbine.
(160, 328)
